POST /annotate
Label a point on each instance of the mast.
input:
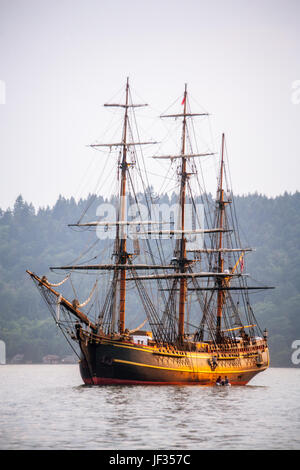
(220, 280)
(182, 258)
(219, 312)
(121, 264)
(122, 255)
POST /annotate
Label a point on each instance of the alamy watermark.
(295, 96)
(159, 221)
(2, 92)
(295, 358)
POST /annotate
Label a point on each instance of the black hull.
(111, 362)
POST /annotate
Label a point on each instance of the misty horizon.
(62, 60)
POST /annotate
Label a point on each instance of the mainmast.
(220, 269)
(182, 258)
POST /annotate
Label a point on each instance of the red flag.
(183, 100)
(242, 265)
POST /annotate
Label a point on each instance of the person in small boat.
(226, 381)
(219, 380)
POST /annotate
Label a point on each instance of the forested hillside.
(36, 240)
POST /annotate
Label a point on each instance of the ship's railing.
(240, 347)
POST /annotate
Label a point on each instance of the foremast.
(182, 258)
(122, 254)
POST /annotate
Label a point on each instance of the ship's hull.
(115, 362)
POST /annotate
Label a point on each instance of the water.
(47, 407)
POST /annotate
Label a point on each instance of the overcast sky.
(62, 59)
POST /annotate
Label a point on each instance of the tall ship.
(179, 274)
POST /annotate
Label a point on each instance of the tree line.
(36, 239)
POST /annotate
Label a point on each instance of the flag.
(183, 100)
(242, 265)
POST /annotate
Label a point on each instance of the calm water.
(47, 407)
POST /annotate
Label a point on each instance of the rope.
(89, 298)
(139, 327)
(57, 308)
(59, 283)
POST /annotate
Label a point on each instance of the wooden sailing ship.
(226, 340)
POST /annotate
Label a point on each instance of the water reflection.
(53, 409)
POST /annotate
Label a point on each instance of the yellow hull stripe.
(196, 371)
(153, 367)
(156, 352)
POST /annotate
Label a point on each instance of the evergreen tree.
(35, 240)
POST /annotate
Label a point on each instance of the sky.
(61, 60)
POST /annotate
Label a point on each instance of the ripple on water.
(48, 407)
